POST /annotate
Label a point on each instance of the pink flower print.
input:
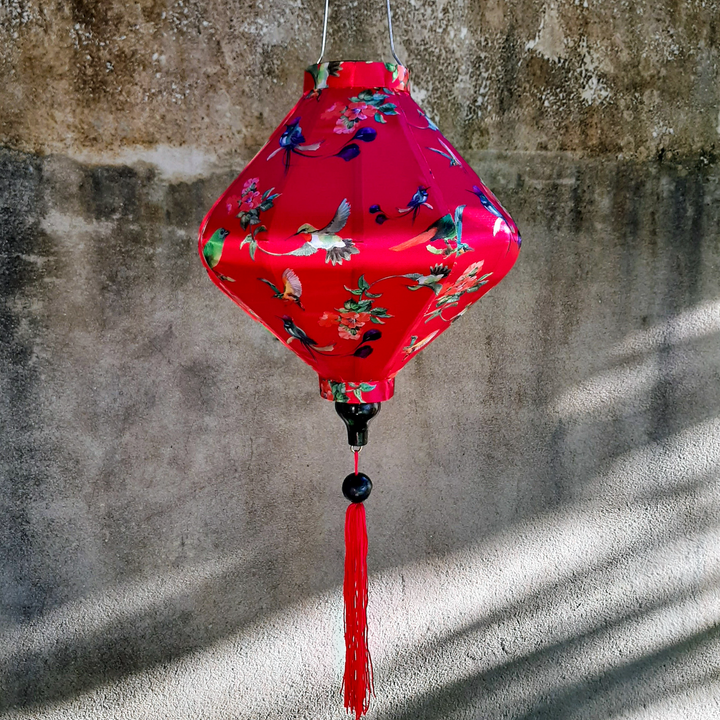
(473, 269)
(353, 319)
(402, 75)
(463, 284)
(251, 199)
(329, 319)
(350, 115)
(350, 324)
(470, 274)
(354, 111)
(250, 184)
(326, 390)
(232, 202)
(347, 333)
(468, 280)
(331, 112)
(343, 126)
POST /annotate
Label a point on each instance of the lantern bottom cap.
(366, 391)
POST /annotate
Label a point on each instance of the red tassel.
(358, 680)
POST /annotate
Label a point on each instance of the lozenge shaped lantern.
(357, 235)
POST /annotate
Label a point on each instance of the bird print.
(448, 153)
(321, 73)
(212, 250)
(430, 124)
(416, 346)
(302, 337)
(460, 246)
(291, 290)
(485, 202)
(418, 200)
(442, 229)
(336, 248)
(432, 280)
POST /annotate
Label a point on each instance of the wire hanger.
(390, 30)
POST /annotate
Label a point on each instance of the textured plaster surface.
(630, 77)
(545, 523)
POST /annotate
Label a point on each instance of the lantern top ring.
(356, 74)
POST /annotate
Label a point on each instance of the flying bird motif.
(416, 346)
(446, 229)
(434, 280)
(449, 154)
(292, 287)
(418, 200)
(296, 333)
(431, 124)
(500, 222)
(336, 248)
(442, 229)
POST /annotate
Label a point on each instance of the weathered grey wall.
(632, 77)
(544, 528)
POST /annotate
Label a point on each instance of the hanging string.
(357, 456)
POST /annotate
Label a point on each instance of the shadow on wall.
(546, 547)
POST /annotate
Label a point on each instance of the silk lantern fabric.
(357, 234)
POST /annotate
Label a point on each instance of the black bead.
(356, 488)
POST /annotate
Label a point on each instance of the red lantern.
(357, 235)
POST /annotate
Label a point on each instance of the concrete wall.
(544, 537)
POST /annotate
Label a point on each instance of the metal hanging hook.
(390, 30)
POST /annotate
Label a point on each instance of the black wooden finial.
(356, 417)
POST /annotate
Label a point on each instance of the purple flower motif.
(365, 134)
(292, 137)
(363, 351)
(352, 149)
(291, 141)
(371, 336)
(349, 152)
